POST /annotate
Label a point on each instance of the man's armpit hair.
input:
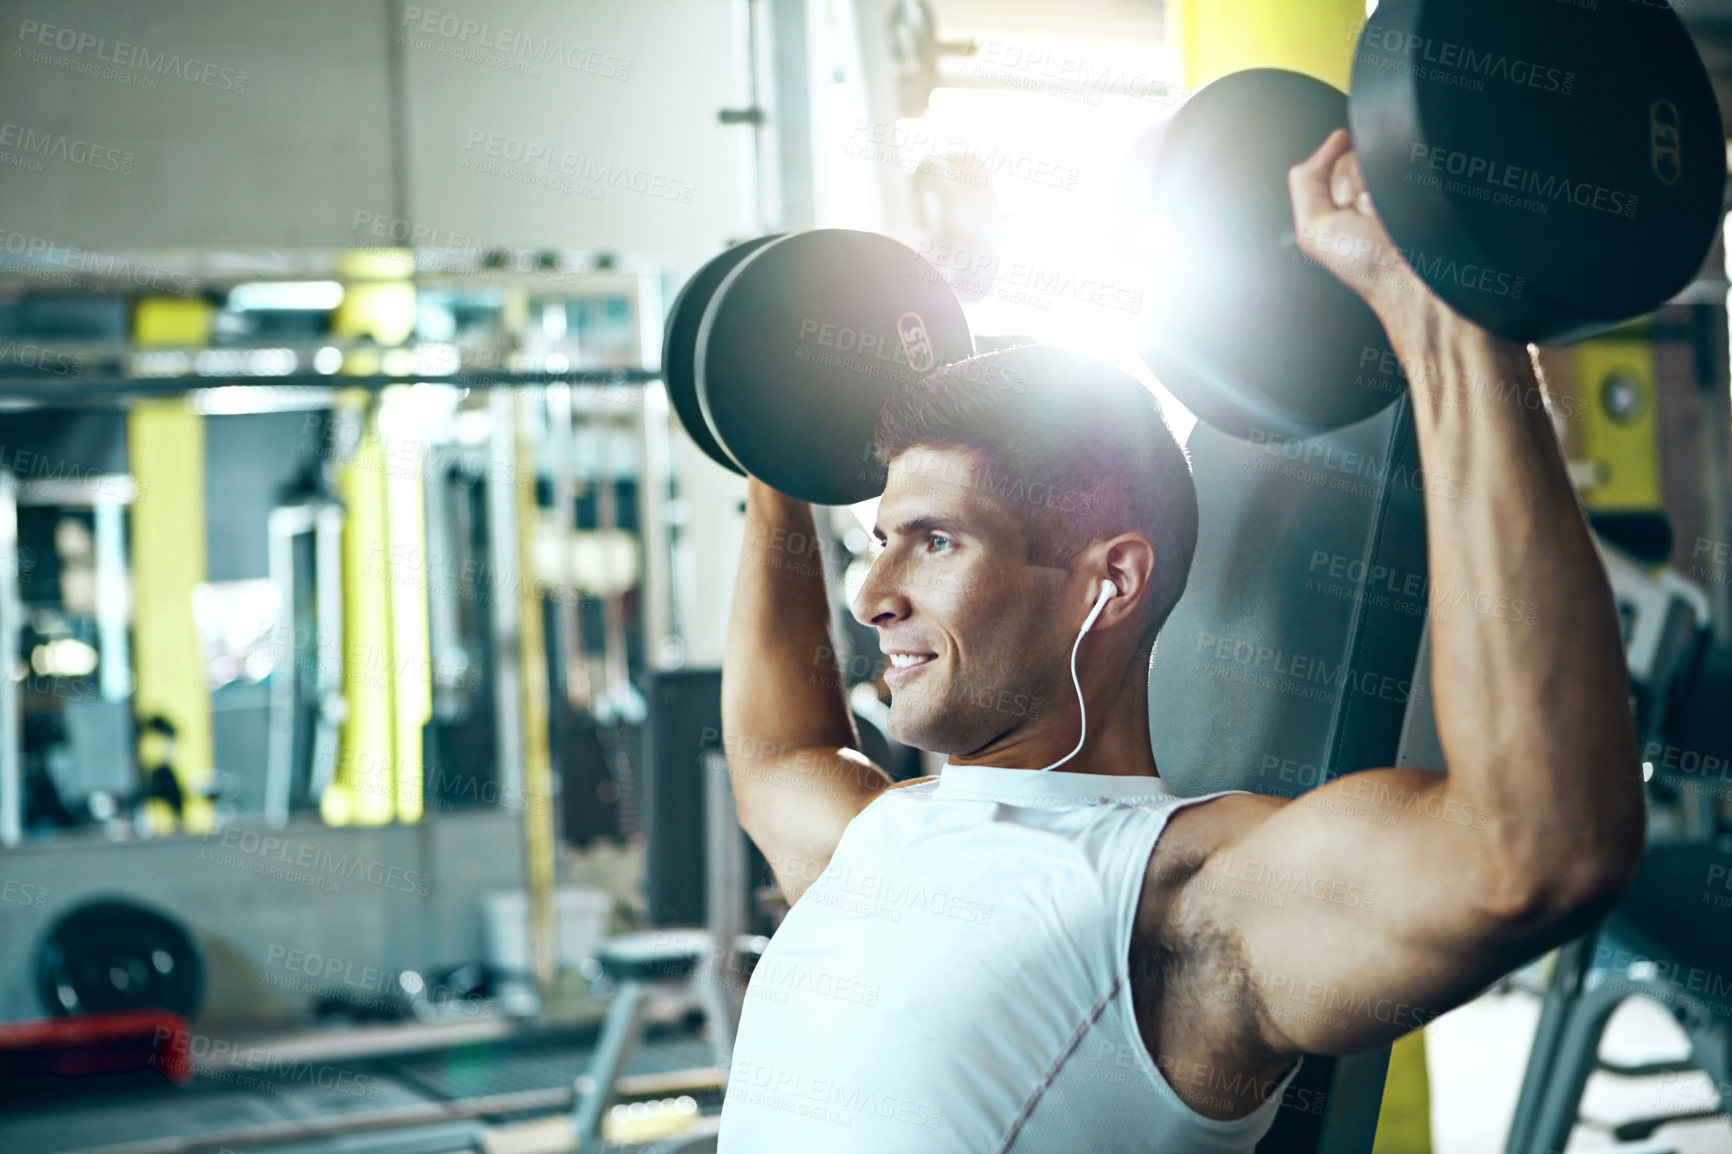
(1201, 964)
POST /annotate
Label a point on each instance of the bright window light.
(315, 295)
(1072, 262)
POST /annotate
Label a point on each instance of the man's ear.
(1130, 565)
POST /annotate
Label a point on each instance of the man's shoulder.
(891, 788)
(1195, 831)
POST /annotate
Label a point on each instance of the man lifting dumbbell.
(1064, 959)
(1043, 948)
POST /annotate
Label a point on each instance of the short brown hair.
(1075, 449)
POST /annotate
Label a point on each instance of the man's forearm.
(779, 692)
(1530, 683)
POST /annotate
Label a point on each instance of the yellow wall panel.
(361, 792)
(173, 321)
(1216, 37)
(1624, 452)
(165, 454)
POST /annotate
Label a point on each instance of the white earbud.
(1108, 592)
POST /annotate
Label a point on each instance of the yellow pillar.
(165, 456)
(1215, 37)
(385, 671)
(361, 791)
(1404, 1121)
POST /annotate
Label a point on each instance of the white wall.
(274, 157)
(287, 132)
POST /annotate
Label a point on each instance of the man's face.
(973, 631)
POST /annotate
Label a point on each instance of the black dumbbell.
(780, 353)
(1550, 171)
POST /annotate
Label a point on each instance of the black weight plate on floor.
(115, 955)
(1246, 331)
(679, 345)
(1550, 170)
(802, 345)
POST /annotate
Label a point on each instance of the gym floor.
(147, 1108)
(1477, 1053)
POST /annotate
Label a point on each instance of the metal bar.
(616, 676)
(790, 54)
(672, 1082)
(281, 528)
(958, 70)
(295, 1129)
(752, 147)
(568, 610)
(11, 696)
(725, 861)
(366, 1042)
(84, 493)
(225, 267)
(59, 391)
(619, 1037)
(328, 616)
(663, 634)
(114, 676)
(617, 690)
(725, 853)
(444, 637)
(871, 60)
(664, 648)
(502, 579)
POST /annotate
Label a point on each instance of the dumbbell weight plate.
(679, 345)
(804, 342)
(1550, 170)
(1246, 331)
(115, 955)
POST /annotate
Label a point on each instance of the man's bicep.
(796, 806)
(1364, 909)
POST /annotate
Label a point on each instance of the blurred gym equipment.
(117, 955)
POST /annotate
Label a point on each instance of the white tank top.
(957, 981)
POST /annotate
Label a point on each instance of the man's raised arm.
(1422, 888)
(1530, 687)
(1531, 690)
(790, 742)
